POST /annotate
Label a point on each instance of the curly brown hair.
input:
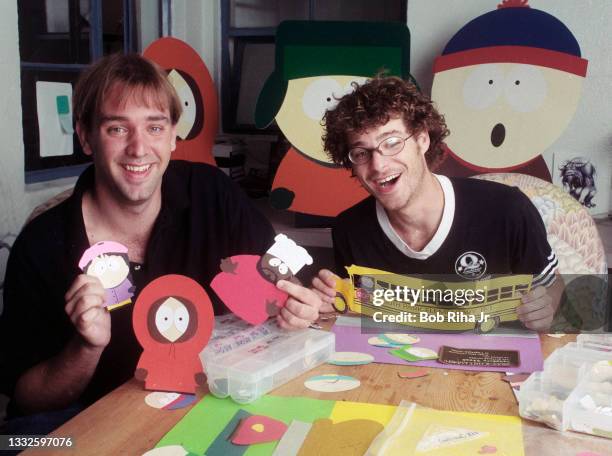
(373, 104)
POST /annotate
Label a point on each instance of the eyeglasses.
(392, 145)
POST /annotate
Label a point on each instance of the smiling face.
(131, 143)
(392, 180)
(503, 115)
(110, 269)
(305, 103)
(273, 269)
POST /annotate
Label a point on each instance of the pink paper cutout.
(245, 292)
(258, 429)
(487, 449)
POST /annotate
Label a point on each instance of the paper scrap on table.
(400, 339)
(222, 445)
(168, 450)
(479, 357)
(346, 438)
(169, 401)
(350, 359)
(411, 354)
(53, 101)
(413, 373)
(258, 429)
(247, 283)
(331, 383)
(378, 341)
(292, 440)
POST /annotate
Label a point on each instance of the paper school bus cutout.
(508, 83)
(363, 293)
(316, 63)
(199, 122)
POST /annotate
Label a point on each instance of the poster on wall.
(54, 110)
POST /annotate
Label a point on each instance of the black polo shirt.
(204, 218)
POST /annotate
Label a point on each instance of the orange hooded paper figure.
(173, 320)
(316, 63)
(508, 84)
(198, 125)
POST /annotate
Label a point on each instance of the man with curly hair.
(417, 222)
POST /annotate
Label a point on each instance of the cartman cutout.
(247, 283)
(173, 320)
(316, 63)
(508, 84)
(188, 74)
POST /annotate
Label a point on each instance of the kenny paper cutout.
(258, 429)
(199, 122)
(508, 84)
(53, 102)
(173, 320)
(247, 283)
(315, 64)
(109, 262)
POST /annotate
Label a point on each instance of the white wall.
(433, 22)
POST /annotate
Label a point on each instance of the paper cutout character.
(247, 283)
(173, 319)
(508, 84)
(578, 179)
(199, 122)
(109, 262)
(258, 429)
(352, 437)
(317, 62)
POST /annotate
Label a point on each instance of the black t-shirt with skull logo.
(487, 229)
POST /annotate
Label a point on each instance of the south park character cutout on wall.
(173, 319)
(109, 262)
(247, 283)
(316, 63)
(188, 74)
(508, 84)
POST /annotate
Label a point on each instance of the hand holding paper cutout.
(173, 320)
(247, 283)
(109, 262)
(84, 306)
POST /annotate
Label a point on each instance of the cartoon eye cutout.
(274, 262)
(319, 96)
(192, 119)
(164, 318)
(483, 86)
(112, 263)
(526, 88)
(283, 268)
(100, 268)
(349, 88)
(181, 319)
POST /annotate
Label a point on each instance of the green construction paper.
(207, 419)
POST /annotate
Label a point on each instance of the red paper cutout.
(245, 292)
(318, 190)
(413, 373)
(258, 429)
(173, 319)
(170, 53)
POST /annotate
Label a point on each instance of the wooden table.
(122, 424)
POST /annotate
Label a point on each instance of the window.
(247, 39)
(57, 40)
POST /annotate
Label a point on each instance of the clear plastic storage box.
(574, 392)
(245, 362)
